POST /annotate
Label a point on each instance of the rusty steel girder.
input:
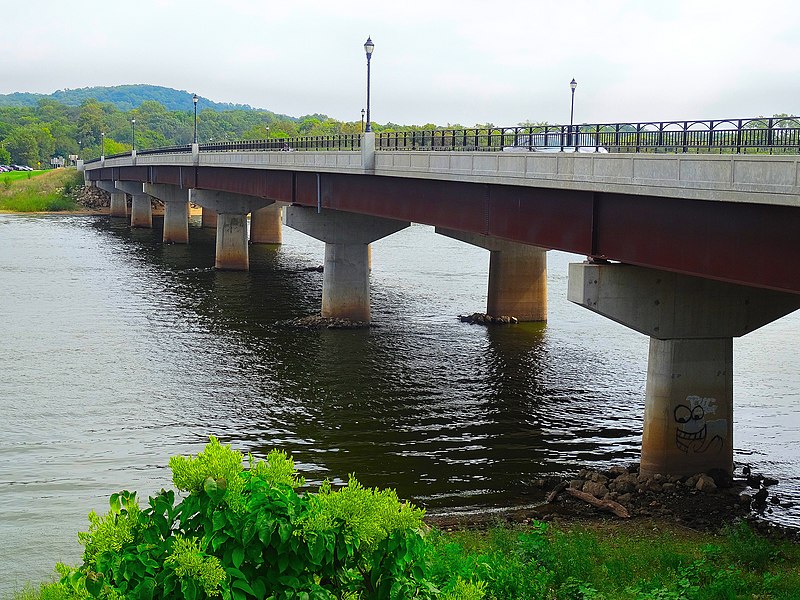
(750, 244)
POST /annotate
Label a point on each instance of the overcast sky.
(440, 61)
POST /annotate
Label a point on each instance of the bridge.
(691, 231)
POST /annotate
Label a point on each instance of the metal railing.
(755, 135)
(775, 135)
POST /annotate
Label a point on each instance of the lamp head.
(369, 47)
(194, 99)
(573, 84)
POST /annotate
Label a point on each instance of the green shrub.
(243, 533)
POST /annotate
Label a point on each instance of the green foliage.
(247, 533)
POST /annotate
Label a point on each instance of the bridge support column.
(266, 225)
(688, 419)
(232, 253)
(119, 202)
(176, 211)
(517, 276)
(345, 282)
(141, 208)
(119, 205)
(208, 218)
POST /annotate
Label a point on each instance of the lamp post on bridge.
(102, 144)
(194, 99)
(572, 84)
(133, 134)
(368, 48)
(362, 120)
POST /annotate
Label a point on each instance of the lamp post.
(194, 99)
(362, 120)
(368, 48)
(102, 144)
(572, 84)
(80, 145)
(133, 133)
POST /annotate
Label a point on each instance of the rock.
(721, 478)
(584, 473)
(576, 484)
(745, 499)
(654, 486)
(691, 482)
(598, 490)
(623, 485)
(624, 499)
(775, 500)
(668, 488)
(706, 484)
(768, 481)
(616, 471)
(599, 478)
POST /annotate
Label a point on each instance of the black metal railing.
(774, 135)
(320, 143)
(755, 135)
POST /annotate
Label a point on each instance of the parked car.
(4, 168)
(555, 142)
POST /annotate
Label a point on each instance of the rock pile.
(700, 500)
(319, 322)
(484, 319)
(91, 197)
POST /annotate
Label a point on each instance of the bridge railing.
(773, 135)
(319, 143)
(755, 135)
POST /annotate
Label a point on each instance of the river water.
(119, 352)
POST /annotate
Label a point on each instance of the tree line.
(32, 135)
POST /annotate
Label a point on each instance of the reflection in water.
(121, 351)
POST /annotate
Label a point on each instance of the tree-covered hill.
(124, 97)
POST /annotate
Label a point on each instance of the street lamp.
(133, 134)
(194, 99)
(572, 84)
(362, 120)
(102, 143)
(368, 48)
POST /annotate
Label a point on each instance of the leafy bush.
(247, 533)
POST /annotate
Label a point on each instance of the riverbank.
(39, 191)
(594, 559)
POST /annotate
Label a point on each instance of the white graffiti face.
(695, 432)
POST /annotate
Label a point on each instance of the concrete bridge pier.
(691, 321)
(141, 208)
(345, 283)
(176, 211)
(517, 276)
(208, 217)
(266, 224)
(231, 210)
(119, 202)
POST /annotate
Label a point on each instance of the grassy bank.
(38, 191)
(240, 533)
(625, 561)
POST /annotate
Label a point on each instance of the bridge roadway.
(691, 250)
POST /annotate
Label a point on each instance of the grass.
(38, 191)
(623, 561)
(626, 561)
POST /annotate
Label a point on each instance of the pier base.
(176, 211)
(141, 208)
(345, 282)
(266, 225)
(517, 276)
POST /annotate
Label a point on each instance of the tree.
(5, 156)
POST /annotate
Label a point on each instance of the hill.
(123, 97)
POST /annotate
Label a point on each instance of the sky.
(435, 61)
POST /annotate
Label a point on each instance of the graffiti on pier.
(696, 432)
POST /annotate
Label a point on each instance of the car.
(4, 168)
(555, 142)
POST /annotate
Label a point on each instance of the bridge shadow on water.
(449, 414)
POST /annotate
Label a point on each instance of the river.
(119, 352)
